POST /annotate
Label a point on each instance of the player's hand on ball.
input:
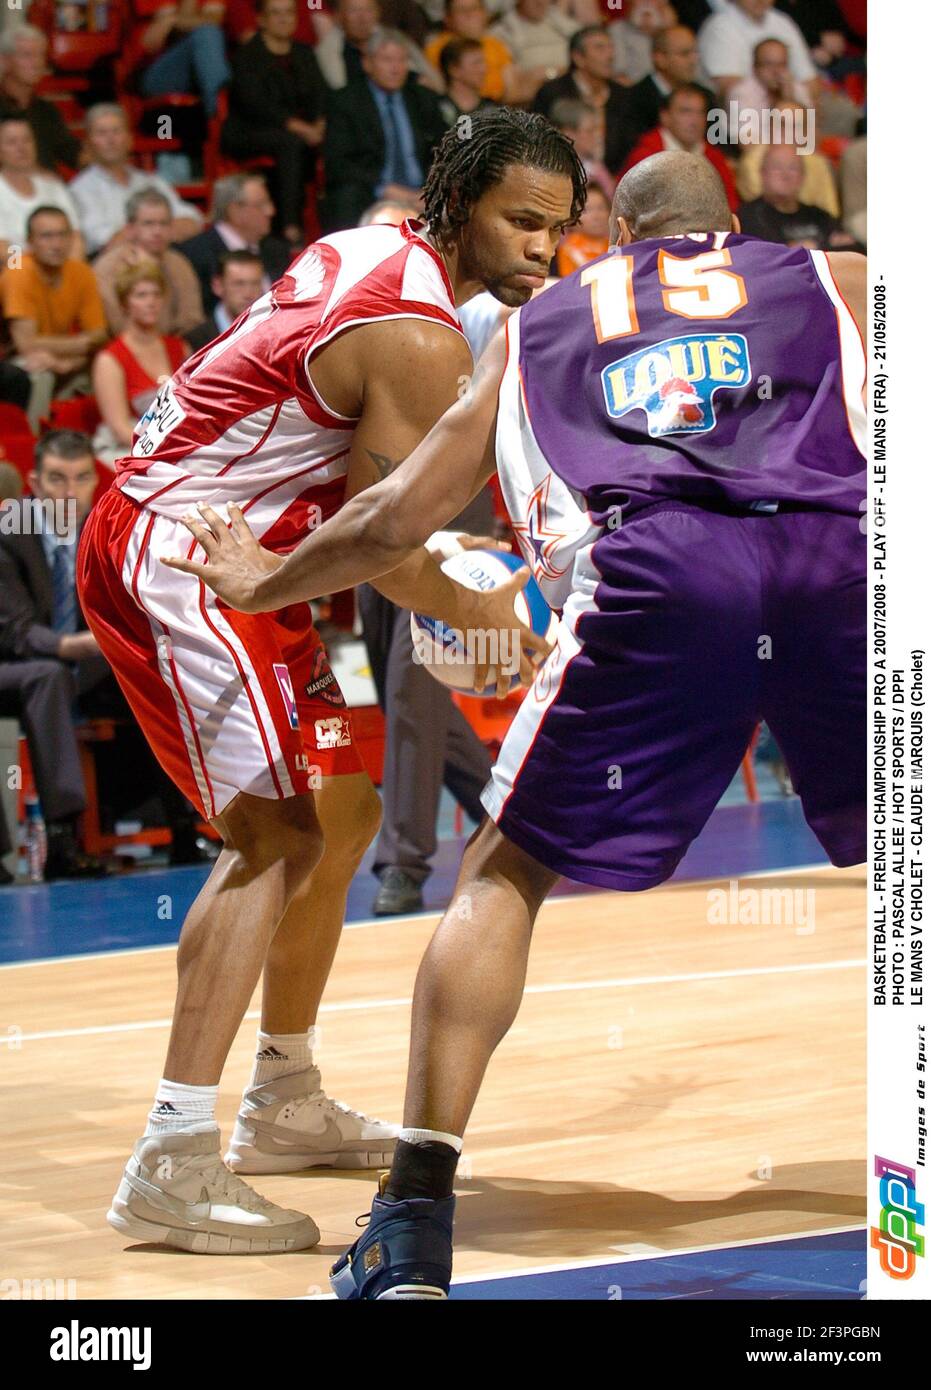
(235, 560)
(509, 641)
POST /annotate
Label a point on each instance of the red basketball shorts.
(230, 702)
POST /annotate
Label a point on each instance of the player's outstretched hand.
(506, 639)
(235, 560)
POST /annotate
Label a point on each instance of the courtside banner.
(898, 511)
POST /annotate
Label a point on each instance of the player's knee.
(298, 835)
(490, 855)
(275, 832)
(366, 821)
(359, 824)
(51, 674)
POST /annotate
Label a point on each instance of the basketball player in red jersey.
(317, 391)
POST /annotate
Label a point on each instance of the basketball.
(451, 656)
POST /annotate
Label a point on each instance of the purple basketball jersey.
(707, 368)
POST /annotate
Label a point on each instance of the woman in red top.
(128, 372)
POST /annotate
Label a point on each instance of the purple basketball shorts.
(687, 627)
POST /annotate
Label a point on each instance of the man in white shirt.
(101, 189)
(727, 41)
(771, 81)
(538, 34)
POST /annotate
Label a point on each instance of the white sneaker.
(289, 1124)
(175, 1191)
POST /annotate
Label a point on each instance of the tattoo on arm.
(383, 463)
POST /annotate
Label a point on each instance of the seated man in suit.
(238, 285)
(380, 135)
(591, 57)
(50, 662)
(675, 62)
(242, 213)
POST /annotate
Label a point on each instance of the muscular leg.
(301, 952)
(468, 991)
(471, 979)
(270, 848)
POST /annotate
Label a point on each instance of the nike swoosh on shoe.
(328, 1140)
(193, 1213)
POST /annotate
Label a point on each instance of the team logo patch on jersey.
(674, 382)
(333, 733)
(159, 420)
(283, 677)
(322, 684)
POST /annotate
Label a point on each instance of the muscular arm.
(377, 530)
(394, 420)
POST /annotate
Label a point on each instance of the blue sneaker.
(406, 1251)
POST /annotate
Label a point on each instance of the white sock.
(176, 1106)
(280, 1054)
(420, 1136)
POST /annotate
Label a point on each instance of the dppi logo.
(674, 381)
(896, 1236)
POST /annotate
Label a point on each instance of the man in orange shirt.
(468, 19)
(57, 319)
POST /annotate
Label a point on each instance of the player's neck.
(464, 286)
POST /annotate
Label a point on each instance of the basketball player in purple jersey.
(679, 433)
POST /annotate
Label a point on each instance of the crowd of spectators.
(148, 198)
(312, 114)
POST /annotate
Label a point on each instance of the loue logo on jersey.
(283, 677)
(901, 1214)
(674, 381)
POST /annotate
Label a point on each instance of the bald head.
(670, 194)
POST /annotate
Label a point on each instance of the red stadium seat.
(146, 147)
(78, 413)
(18, 439)
(833, 147)
(76, 53)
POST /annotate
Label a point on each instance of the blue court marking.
(821, 1266)
(132, 910)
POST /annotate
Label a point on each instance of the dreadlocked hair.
(474, 153)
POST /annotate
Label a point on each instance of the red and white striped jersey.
(240, 421)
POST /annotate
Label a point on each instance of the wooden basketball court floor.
(671, 1082)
